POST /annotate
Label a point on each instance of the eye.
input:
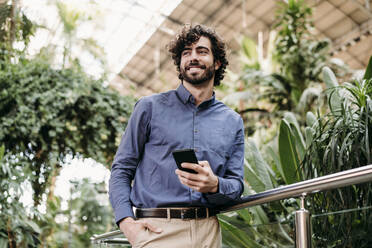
(186, 52)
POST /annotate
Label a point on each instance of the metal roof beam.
(364, 9)
(346, 15)
(138, 84)
(353, 36)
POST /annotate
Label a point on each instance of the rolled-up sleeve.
(231, 185)
(127, 158)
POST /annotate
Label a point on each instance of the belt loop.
(196, 213)
(207, 212)
(168, 214)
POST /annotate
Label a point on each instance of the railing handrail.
(337, 180)
(105, 235)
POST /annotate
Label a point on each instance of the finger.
(189, 183)
(191, 187)
(152, 228)
(195, 167)
(188, 175)
(192, 177)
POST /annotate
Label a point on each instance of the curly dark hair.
(191, 34)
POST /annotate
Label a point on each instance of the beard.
(197, 79)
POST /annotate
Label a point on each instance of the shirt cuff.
(123, 212)
(219, 198)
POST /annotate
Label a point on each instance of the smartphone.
(185, 155)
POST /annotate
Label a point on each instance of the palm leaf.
(288, 154)
(368, 73)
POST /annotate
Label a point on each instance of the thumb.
(152, 228)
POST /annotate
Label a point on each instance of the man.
(175, 208)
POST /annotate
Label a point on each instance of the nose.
(194, 55)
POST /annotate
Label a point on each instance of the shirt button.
(196, 131)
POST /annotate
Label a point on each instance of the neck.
(200, 92)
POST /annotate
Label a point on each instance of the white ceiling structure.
(347, 23)
(120, 27)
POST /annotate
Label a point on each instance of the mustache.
(195, 65)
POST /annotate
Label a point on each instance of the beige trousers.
(177, 233)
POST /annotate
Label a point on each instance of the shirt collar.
(186, 96)
(183, 93)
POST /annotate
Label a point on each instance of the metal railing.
(301, 189)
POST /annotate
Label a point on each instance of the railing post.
(303, 226)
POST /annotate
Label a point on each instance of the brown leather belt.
(178, 213)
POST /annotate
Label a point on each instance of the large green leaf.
(333, 93)
(258, 164)
(296, 131)
(368, 73)
(309, 132)
(2, 150)
(259, 215)
(237, 238)
(3, 243)
(310, 119)
(275, 157)
(288, 154)
(252, 178)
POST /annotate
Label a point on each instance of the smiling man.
(174, 208)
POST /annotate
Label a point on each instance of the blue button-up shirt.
(170, 121)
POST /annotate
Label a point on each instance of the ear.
(217, 65)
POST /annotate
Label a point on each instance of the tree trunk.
(13, 22)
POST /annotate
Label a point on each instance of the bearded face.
(196, 73)
(197, 63)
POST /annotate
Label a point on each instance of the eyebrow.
(197, 48)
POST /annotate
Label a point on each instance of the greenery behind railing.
(307, 143)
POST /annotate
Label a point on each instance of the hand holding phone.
(185, 156)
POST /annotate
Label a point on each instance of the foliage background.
(50, 114)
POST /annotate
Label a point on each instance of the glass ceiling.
(120, 27)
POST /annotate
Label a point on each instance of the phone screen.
(185, 155)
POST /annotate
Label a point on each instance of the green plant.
(46, 114)
(87, 213)
(300, 55)
(342, 140)
(287, 79)
(269, 225)
(15, 26)
(17, 229)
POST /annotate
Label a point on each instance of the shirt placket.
(196, 133)
(196, 145)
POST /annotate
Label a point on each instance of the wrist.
(126, 220)
(215, 188)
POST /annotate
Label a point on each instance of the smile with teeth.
(195, 67)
